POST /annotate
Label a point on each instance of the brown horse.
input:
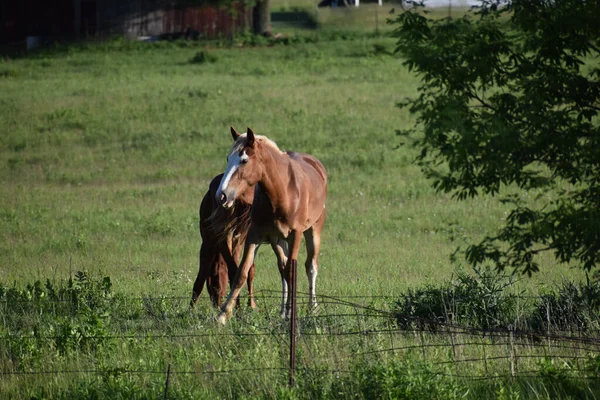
(223, 234)
(289, 202)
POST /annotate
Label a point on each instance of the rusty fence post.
(167, 382)
(293, 273)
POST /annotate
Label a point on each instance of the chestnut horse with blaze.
(223, 234)
(289, 202)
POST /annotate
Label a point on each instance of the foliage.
(62, 318)
(558, 376)
(79, 293)
(202, 57)
(574, 307)
(406, 380)
(485, 300)
(480, 300)
(508, 103)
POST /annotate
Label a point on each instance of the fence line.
(510, 338)
(365, 332)
(275, 294)
(426, 325)
(259, 293)
(117, 371)
(524, 375)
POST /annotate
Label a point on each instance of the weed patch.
(485, 301)
(203, 57)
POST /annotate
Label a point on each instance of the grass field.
(107, 150)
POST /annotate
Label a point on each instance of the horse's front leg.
(237, 252)
(238, 282)
(294, 241)
(229, 256)
(251, 301)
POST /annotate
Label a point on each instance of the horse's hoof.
(222, 318)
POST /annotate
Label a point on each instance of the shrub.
(482, 301)
(203, 57)
(478, 301)
(576, 307)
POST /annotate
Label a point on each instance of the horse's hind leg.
(313, 246)
(219, 287)
(280, 250)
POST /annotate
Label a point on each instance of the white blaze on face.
(233, 163)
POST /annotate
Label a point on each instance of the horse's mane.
(240, 143)
(236, 220)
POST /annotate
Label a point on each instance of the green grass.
(106, 155)
(304, 16)
(107, 150)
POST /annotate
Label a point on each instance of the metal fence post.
(293, 273)
(513, 359)
(167, 382)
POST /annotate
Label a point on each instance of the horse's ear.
(250, 137)
(234, 133)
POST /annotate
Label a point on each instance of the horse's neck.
(247, 197)
(276, 179)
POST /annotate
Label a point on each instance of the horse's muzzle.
(224, 200)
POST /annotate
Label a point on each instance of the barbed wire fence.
(497, 353)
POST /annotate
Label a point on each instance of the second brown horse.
(223, 234)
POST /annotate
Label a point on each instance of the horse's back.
(310, 163)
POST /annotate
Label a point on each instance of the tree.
(508, 105)
(262, 18)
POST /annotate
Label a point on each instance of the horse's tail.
(206, 261)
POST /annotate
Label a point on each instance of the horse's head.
(242, 169)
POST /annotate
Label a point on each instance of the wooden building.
(74, 19)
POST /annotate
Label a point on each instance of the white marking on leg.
(227, 308)
(281, 250)
(284, 295)
(284, 284)
(312, 284)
